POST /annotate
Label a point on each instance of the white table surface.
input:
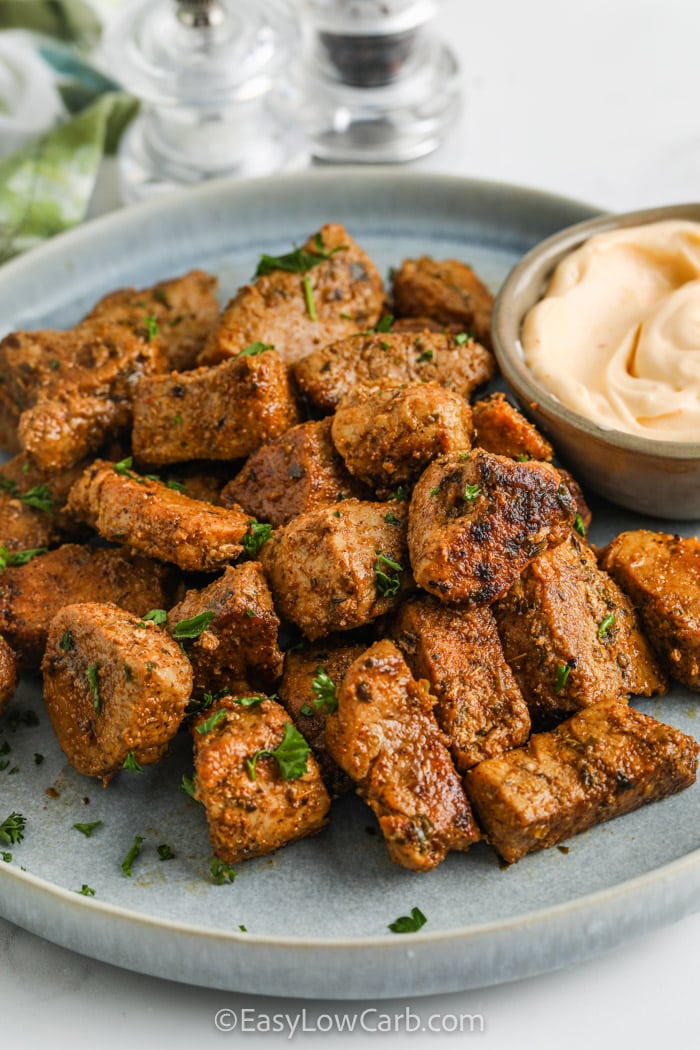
(596, 100)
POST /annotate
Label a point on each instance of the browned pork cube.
(384, 735)
(661, 574)
(501, 429)
(446, 291)
(238, 648)
(224, 412)
(332, 372)
(157, 520)
(477, 520)
(479, 706)
(582, 521)
(389, 436)
(253, 803)
(298, 472)
(43, 491)
(331, 570)
(603, 762)
(8, 673)
(23, 527)
(32, 594)
(335, 290)
(73, 389)
(115, 687)
(180, 312)
(572, 637)
(309, 692)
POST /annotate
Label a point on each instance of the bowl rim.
(506, 324)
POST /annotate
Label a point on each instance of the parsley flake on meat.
(192, 628)
(257, 535)
(291, 755)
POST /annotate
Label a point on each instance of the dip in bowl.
(617, 394)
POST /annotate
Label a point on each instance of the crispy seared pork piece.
(156, 520)
(501, 429)
(331, 570)
(389, 436)
(309, 692)
(114, 685)
(447, 291)
(238, 648)
(24, 527)
(184, 310)
(73, 389)
(224, 412)
(42, 497)
(333, 291)
(582, 521)
(384, 735)
(32, 594)
(255, 804)
(479, 706)
(605, 761)
(572, 637)
(476, 520)
(332, 372)
(297, 472)
(661, 574)
(8, 673)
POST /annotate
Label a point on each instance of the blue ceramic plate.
(316, 913)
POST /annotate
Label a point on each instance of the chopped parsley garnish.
(131, 856)
(39, 497)
(53, 363)
(606, 624)
(177, 419)
(435, 491)
(301, 260)
(254, 349)
(21, 718)
(160, 296)
(562, 677)
(471, 492)
(152, 328)
(156, 616)
(18, 557)
(221, 872)
(164, 852)
(86, 891)
(579, 526)
(38, 758)
(193, 627)
(258, 534)
(251, 701)
(12, 829)
(309, 299)
(242, 928)
(524, 458)
(463, 337)
(290, 754)
(346, 317)
(399, 494)
(187, 785)
(323, 686)
(131, 763)
(212, 722)
(124, 466)
(128, 675)
(427, 355)
(388, 582)
(391, 519)
(87, 829)
(409, 923)
(176, 486)
(94, 685)
(7, 857)
(66, 642)
(384, 324)
(7, 485)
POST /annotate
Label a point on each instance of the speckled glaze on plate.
(316, 913)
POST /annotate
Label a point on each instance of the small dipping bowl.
(659, 478)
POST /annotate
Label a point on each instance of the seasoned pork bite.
(329, 374)
(32, 594)
(479, 706)
(501, 429)
(24, 527)
(309, 692)
(389, 436)
(572, 637)
(476, 520)
(238, 646)
(384, 735)
(331, 570)
(605, 761)
(297, 472)
(73, 389)
(37, 499)
(224, 412)
(329, 289)
(446, 291)
(114, 686)
(260, 785)
(156, 520)
(181, 312)
(661, 574)
(8, 673)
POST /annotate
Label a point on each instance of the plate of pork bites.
(319, 673)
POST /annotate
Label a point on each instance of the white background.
(598, 100)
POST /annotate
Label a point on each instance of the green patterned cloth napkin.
(45, 187)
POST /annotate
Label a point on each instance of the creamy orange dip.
(616, 337)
